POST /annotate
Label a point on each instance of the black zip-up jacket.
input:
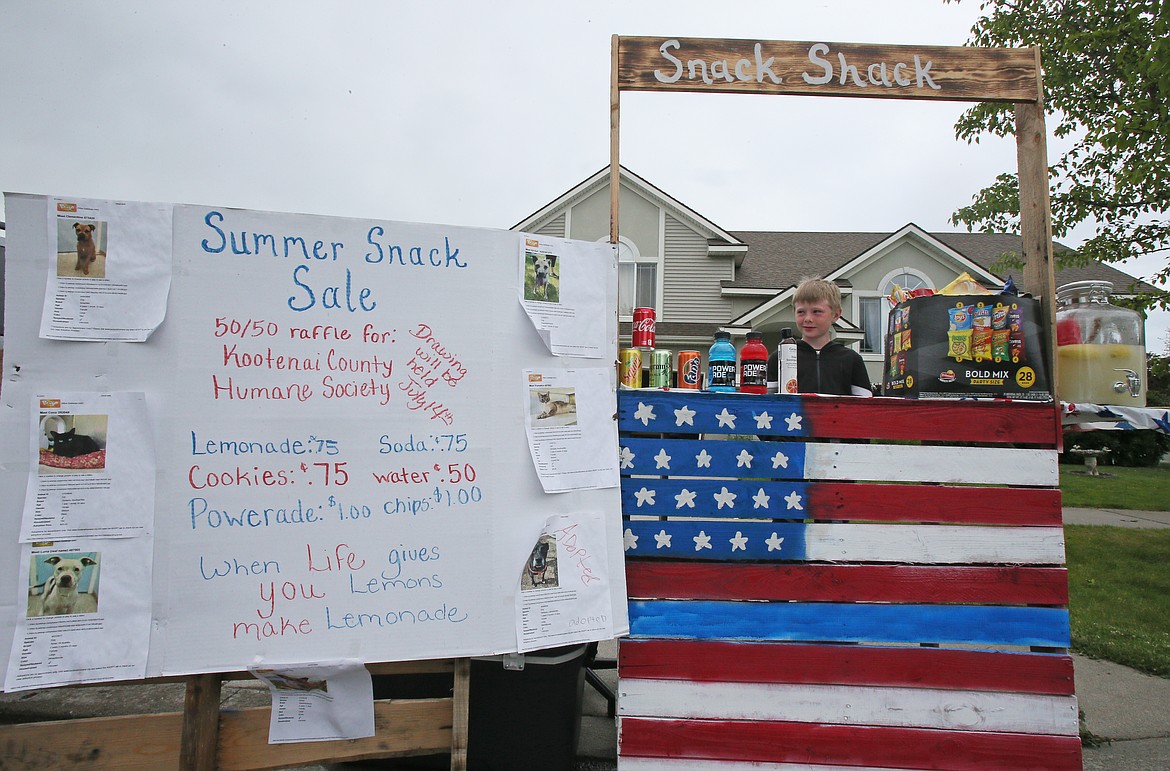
(833, 369)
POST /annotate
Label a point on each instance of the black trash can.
(525, 711)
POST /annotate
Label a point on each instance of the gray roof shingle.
(780, 259)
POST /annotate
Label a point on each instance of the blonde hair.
(813, 290)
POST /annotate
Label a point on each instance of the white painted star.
(685, 498)
(645, 496)
(793, 422)
(725, 498)
(645, 413)
(725, 418)
(793, 501)
(761, 499)
(630, 540)
(764, 420)
(774, 543)
(744, 458)
(662, 538)
(739, 542)
(662, 460)
(684, 414)
(626, 456)
(702, 541)
(703, 460)
(779, 460)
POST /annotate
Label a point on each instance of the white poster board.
(341, 465)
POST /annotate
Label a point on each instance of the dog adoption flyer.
(569, 418)
(94, 470)
(563, 291)
(564, 586)
(86, 614)
(321, 701)
(109, 269)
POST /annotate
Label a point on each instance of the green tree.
(1158, 383)
(1106, 67)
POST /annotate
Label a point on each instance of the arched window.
(873, 310)
(637, 279)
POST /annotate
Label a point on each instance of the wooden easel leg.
(200, 741)
(460, 708)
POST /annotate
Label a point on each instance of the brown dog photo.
(81, 249)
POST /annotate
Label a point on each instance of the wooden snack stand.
(830, 581)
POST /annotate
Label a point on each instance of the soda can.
(689, 364)
(643, 329)
(631, 367)
(660, 366)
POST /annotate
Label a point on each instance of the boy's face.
(815, 321)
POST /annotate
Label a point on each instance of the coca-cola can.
(643, 329)
(688, 369)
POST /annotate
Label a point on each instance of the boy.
(823, 366)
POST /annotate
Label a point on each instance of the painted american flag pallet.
(822, 583)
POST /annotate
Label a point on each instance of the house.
(700, 277)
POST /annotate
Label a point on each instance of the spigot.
(1132, 383)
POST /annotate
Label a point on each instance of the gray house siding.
(554, 228)
(639, 220)
(691, 290)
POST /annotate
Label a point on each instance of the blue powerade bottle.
(721, 364)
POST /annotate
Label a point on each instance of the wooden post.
(614, 120)
(200, 739)
(460, 710)
(1036, 221)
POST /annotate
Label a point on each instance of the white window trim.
(637, 256)
(857, 295)
(889, 277)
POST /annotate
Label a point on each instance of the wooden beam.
(813, 68)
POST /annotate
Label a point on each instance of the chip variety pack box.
(960, 346)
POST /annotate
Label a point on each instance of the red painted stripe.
(659, 579)
(846, 665)
(997, 422)
(845, 745)
(934, 503)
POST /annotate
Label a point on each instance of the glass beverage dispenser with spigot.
(1100, 347)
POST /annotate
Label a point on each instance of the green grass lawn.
(1119, 583)
(1119, 595)
(1118, 487)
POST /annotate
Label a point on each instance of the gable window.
(873, 310)
(637, 280)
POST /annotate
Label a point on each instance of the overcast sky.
(469, 113)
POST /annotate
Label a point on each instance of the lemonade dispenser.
(1100, 347)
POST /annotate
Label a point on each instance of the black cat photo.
(70, 444)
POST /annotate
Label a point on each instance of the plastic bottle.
(753, 365)
(787, 363)
(721, 364)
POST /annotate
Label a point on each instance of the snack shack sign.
(828, 69)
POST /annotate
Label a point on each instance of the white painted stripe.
(934, 708)
(687, 764)
(938, 544)
(911, 463)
